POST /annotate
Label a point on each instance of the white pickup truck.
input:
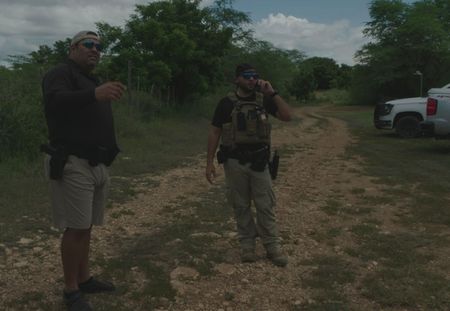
(405, 115)
(437, 123)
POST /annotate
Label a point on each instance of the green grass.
(23, 201)
(331, 97)
(186, 241)
(158, 144)
(408, 288)
(327, 281)
(410, 268)
(148, 146)
(413, 171)
(331, 273)
(332, 207)
(415, 182)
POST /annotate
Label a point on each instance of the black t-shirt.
(224, 108)
(74, 117)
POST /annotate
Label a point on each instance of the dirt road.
(315, 174)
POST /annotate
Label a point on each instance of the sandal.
(75, 301)
(92, 286)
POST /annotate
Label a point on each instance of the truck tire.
(408, 127)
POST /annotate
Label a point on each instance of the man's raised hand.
(109, 91)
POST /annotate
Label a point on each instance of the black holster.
(58, 159)
(273, 165)
(223, 154)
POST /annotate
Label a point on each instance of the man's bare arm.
(213, 141)
(284, 112)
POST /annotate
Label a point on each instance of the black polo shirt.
(74, 117)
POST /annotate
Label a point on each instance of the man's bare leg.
(75, 256)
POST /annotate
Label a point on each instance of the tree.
(344, 77)
(303, 83)
(222, 11)
(295, 56)
(325, 71)
(318, 73)
(387, 16)
(405, 38)
(60, 50)
(22, 124)
(177, 45)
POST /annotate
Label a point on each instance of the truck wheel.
(408, 127)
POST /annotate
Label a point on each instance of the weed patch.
(415, 187)
(408, 287)
(395, 250)
(188, 241)
(331, 273)
(332, 207)
(327, 281)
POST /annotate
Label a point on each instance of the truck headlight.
(382, 109)
(386, 109)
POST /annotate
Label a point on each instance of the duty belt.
(95, 155)
(245, 156)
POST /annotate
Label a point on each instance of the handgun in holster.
(222, 155)
(273, 165)
(58, 159)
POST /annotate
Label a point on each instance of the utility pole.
(129, 83)
(418, 73)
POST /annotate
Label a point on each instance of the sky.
(324, 28)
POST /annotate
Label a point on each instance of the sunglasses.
(90, 45)
(250, 74)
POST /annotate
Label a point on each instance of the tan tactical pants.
(244, 186)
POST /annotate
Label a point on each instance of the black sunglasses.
(90, 45)
(250, 74)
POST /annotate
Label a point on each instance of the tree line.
(409, 42)
(178, 52)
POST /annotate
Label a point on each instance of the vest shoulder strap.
(233, 97)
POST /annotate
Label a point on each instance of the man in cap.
(82, 144)
(241, 122)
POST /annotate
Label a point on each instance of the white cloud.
(24, 25)
(27, 24)
(337, 40)
(206, 3)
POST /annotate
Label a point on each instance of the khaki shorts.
(79, 198)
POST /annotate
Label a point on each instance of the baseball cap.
(85, 34)
(243, 67)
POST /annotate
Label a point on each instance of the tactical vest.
(249, 123)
